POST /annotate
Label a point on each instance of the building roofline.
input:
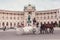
(48, 10)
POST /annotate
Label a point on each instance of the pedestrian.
(4, 28)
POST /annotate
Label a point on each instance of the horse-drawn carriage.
(36, 30)
(47, 28)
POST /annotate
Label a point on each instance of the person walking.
(4, 28)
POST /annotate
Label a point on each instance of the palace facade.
(13, 18)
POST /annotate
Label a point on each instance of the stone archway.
(56, 23)
(3, 24)
(51, 22)
(48, 23)
(44, 22)
(59, 23)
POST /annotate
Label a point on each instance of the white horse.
(27, 29)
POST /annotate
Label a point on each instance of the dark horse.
(44, 27)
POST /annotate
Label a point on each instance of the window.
(44, 13)
(54, 12)
(41, 17)
(18, 18)
(14, 18)
(14, 24)
(48, 17)
(59, 16)
(22, 18)
(29, 12)
(40, 13)
(44, 17)
(3, 17)
(6, 17)
(0, 24)
(10, 24)
(18, 23)
(55, 16)
(10, 17)
(51, 22)
(51, 17)
(7, 24)
(3, 24)
(48, 22)
(37, 17)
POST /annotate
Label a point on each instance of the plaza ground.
(11, 35)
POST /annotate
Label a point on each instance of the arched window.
(14, 18)
(59, 21)
(41, 23)
(3, 24)
(10, 17)
(18, 23)
(44, 22)
(48, 23)
(14, 24)
(51, 22)
(7, 17)
(56, 22)
(48, 17)
(0, 24)
(3, 17)
(55, 16)
(51, 17)
(29, 12)
(18, 18)
(7, 24)
(10, 24)
(44, 17)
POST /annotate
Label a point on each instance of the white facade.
(13, 18)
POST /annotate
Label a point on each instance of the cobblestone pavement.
(11, 35)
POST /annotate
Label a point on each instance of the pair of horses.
(44, 28)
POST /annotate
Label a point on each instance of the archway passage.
(51, 22)
(59, 23)
(3, 24)
(56, 24)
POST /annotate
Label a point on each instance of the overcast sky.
(18, 5)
